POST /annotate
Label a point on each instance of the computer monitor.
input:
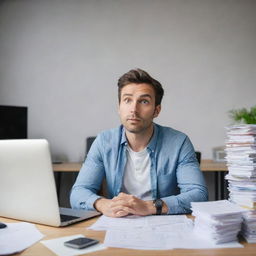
(13, 122)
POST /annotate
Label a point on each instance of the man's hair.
(139, 76)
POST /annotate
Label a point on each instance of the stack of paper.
(249, 226)
(217, 221)
(241, 161)
(241, 152)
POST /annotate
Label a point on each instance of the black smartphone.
(81, 242)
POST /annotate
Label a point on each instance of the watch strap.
(158, 203)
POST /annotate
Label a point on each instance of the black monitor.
(13, 122)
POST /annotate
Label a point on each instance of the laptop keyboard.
(64, 217)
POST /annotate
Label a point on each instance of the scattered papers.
(58, 247)
(241, 161)
(16, 237)
(163, 232)
(219, 221)
(148, 238)
(106, 223)
(175, 236)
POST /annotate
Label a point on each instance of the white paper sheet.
(105, 223)
(148, 238)
(58, 247)
(217, 208)
(16, 237)
(178, 236)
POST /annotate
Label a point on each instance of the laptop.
(27, 185)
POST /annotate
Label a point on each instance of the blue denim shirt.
(174, 173)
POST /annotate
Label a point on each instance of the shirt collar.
(152, 142)
(123, 138)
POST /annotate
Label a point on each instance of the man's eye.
(127, 100)
(144, 101)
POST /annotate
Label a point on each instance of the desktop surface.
(80, 228)
(207, 165)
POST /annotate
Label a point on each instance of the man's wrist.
(158, 203)
(152, 208)
(165, 208)
(98, 204)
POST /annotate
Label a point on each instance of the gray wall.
(63, 58)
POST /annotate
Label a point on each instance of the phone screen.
(80, 242)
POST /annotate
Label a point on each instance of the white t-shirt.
(136, 179)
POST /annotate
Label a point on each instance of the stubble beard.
(137, 129)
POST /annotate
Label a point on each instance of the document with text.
(163, 232)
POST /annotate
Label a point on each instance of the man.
(148, 168)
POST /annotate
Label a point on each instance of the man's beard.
(143, 126)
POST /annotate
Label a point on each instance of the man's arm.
(190, 182)
(89, 180)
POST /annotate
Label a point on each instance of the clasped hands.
(123, 205)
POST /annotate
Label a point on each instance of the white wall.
(63, 59)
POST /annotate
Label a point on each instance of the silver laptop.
(27, 185)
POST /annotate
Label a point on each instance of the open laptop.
(27, 185)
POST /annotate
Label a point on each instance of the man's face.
(137, 107)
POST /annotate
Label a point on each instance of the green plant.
(243, 115)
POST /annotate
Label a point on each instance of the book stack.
(241, 162)
(217, 221)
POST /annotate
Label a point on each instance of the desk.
(207, 165)
(67, 167)
(80, 228)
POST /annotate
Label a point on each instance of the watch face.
(158, 203)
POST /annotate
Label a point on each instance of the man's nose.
(134, 106)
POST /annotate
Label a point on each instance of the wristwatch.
(158, 203)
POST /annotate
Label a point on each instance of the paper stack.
(241, 162)
(249, 226)
(217, 221)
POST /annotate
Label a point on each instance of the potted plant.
(244, 116)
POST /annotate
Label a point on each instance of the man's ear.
(157, 110)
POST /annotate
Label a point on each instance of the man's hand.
(134, 205)
(110, 208)
(123, 205)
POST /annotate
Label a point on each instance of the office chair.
(198, 156)
(89, 141)
(103, 189)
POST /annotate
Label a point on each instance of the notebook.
(27, 185)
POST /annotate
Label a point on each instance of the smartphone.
(80, 242)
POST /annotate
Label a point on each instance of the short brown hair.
(139, 76)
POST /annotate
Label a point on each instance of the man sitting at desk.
(148, 168)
